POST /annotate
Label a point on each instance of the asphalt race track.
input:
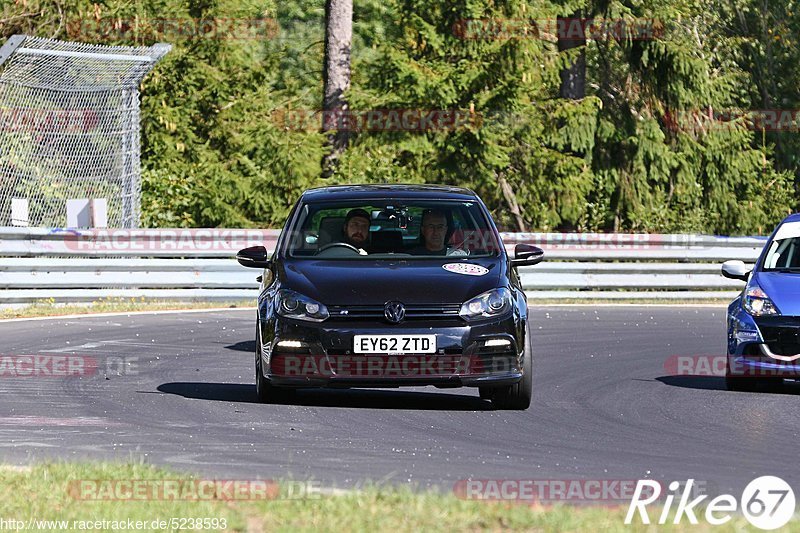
(177, 389)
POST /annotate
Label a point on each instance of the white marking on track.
(104, 343)
(53, 421)
(86, 346)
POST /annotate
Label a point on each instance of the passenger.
(434, 234)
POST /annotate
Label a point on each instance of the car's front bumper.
(756, 365)
(394, 382)
(321, 354)
(757, 346)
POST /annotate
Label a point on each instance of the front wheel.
(485, 393)
(518, 396)
(262, 386)
(265, 391)
(739, 383)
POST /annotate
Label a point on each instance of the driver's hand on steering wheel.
(359, 251)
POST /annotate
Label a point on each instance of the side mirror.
(527, 255)
(735, 270)
(254, 257)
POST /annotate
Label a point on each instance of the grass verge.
(113, 305)
(46, 492)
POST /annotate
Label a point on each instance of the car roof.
(416, 191)
(792, 218)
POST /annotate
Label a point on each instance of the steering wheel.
(340, 245)
(457, 252)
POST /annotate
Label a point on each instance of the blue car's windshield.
(783, 252)
(412, 229)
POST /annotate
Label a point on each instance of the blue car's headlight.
(491, 303)
(756, 302)
(292, 304)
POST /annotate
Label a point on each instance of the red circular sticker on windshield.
(466, 268)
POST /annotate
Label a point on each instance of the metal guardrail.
(87, 265)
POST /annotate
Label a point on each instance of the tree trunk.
(336, 79)
(571, 35)
(511, 199)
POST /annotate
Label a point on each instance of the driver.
(356, 229)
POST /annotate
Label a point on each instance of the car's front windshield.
(412, 229)
(783, 251)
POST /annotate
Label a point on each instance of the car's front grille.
(413, 312)
(781, 334)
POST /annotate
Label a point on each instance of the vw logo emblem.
(395, 312)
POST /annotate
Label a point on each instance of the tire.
(262, 386)
(486, 393)
(748, 384)
(265, 391)
(739, 384)
(518, 396)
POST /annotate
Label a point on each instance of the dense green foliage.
(217, 149)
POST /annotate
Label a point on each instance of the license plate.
(391, 344)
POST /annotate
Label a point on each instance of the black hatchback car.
(388, 286)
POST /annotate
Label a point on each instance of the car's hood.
(783, 289)
(365, 282)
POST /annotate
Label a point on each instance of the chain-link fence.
(69, 129)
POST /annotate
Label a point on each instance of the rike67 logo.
(767, 503)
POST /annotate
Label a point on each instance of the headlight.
(757, 303)
(292, 304)
(491, 303)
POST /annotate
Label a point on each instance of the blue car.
(764, 321)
